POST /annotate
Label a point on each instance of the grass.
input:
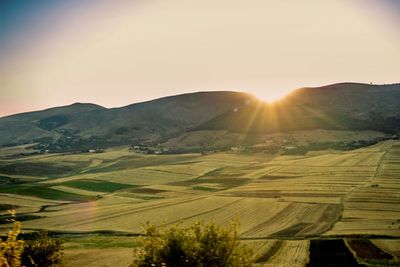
(5, 207)
(143, 196)
(5, 179)
(47, 169)
(6, 219)
(101, 241)
(283, 197)
(266, 255)
(286, 196)
(223, 182)
(97, 186)
(205, 188)
(45, 192)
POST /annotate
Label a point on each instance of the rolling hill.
(344, 106)
(85, 126)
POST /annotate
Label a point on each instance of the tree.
(199, 245)
(43, 251)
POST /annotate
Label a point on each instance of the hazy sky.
(115, 53)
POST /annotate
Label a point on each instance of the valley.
(199, 133)
(281, 201)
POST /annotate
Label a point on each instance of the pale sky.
(115, 52)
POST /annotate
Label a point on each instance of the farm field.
(281, 201)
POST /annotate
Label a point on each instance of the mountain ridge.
(98, 126)
(341, 106)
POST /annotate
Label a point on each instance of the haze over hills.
(344, 106)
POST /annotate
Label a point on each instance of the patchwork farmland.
(282, 202)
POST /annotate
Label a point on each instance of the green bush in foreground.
(43, 251)
(199, 245)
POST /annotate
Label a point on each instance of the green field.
(281, 201)
(97, 186)
(45, 192)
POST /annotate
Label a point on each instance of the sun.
(270, 96)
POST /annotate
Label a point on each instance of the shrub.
(43, 251)
(199, 245)
(11, 249)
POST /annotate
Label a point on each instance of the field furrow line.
(203, 213)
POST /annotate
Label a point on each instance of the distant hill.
(40, 126)
(87, 126)
(344, 106)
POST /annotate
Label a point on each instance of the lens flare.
(271, 96)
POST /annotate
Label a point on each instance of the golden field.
(281, 201)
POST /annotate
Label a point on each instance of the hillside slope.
(42, 125)
(344, 106)
(84, 126)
